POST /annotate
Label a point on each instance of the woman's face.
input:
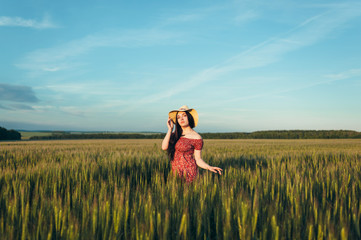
(182, 119)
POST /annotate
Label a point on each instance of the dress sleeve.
(198, 144)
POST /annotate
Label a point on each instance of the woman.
(184, 145)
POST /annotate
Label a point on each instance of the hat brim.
(193, 112)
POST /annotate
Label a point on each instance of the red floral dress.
(183, 162)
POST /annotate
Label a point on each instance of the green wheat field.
(123, 189)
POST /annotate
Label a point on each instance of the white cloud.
(183, 18)
(64, 56)
(52, 69)
(101, 87)
(190, 16)
(329, 78)
(75, 111)
(30, 23)
(44, 108)
(246, 16)
(310, 31)
(344, 75)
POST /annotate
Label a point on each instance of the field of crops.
(123, 189)
(25, 135)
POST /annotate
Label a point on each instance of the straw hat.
(184, 108)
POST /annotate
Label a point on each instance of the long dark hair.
(178, 132)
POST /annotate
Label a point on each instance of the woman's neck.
(186, 130)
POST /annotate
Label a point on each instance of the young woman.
(184, 145)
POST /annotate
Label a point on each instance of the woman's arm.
(203, 164)
(166, 139)
(165, 142)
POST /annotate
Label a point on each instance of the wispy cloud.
(309, 32)
(101, 87)
(344, 75)
(64, 56)
(189, 17)
(312, 30)
(43, 108)
(246, 16)
(329, 78)
(75, 111)
(19, 106)
(4, 107)
(16, 107)
(29, 23)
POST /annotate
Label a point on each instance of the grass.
(123, 189)
(26, 135)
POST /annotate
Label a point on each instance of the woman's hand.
(215, 170)
(170, 124)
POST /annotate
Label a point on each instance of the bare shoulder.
(196, 135)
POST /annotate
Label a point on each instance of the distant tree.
(276, 134)
(9, 134)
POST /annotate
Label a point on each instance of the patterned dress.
(183, 163)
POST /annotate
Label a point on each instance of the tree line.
(286, 134)
(281, 134)
(9, 134)
(98, 136)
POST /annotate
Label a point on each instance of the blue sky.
(123, 65)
